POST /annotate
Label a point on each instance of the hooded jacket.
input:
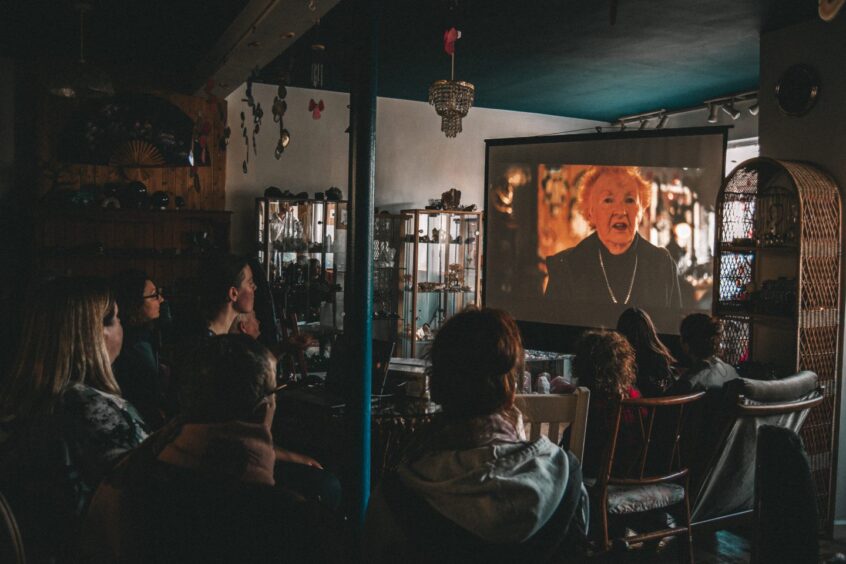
(484, 477)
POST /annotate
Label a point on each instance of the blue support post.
(358, 299)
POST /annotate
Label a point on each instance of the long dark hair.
(654, 360)
(128, 288)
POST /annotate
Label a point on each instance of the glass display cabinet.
(387, 281)
(440, 273)
(302, 246)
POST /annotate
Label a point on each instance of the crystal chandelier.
(452, 98)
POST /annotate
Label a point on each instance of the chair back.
(727, 485)
(11, 543)
(657, 457)
(552, 414)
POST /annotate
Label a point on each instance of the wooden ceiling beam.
(260, 33)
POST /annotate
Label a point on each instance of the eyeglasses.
(155, 295)
(272, 392)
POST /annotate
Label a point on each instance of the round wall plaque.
(797, 90)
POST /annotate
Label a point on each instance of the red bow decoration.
(315, 108)
(450, 37)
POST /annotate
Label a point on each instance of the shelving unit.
(167, 244)
(777, 289)
(441, 273)
(387, 275)
(302, 246)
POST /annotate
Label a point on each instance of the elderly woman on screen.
(614, 265)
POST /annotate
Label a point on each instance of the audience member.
(139, 373)
(605, 364)
(226, 289)
(64, 423)
(202, 489)
(472, 488)
(700, 340)
(655, 364)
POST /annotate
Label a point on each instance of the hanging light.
(713, 113)
(754, 108)
(730, 110)
(79, 79)
(452, 98)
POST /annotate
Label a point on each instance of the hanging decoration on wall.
(318, 54)
(257, 115)
(315, 108)
(280, 106)
(452, 98)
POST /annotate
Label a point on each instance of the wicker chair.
(622, 495)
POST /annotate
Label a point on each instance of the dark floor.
(731, 546)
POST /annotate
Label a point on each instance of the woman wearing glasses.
(137, 370)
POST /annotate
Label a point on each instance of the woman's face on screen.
(615, 211)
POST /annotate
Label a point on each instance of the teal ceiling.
(559, 57)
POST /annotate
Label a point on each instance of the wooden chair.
(11, 544)
(632, 491)
(552, 414)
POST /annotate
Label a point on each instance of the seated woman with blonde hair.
(472, 488)
(63, 423)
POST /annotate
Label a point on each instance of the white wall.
(414, 160)
(818, 137)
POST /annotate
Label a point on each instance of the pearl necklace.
(608, 284)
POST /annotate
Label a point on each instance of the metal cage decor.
(452, 98)
(777, 290)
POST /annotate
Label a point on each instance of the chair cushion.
(634, 499)
(769, 391)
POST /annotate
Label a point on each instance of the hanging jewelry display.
(280, 106)
(452, 98)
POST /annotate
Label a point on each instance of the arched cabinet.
(777, 289)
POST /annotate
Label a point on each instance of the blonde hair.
(62, 343)
(592, 175)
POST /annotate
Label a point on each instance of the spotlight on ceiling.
(598, 129)
(729, 109)
(754, 108)
(643, 123)
(622, 126)
(713, 112)
(662, 121)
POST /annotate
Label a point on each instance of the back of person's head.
(128, 288)
(605, 363)
(637, 327)
(701, 334)
(225, 379)
(246, 324)
(62, 342)
(217, 276)
(476, 357)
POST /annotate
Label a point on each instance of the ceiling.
(560, 57)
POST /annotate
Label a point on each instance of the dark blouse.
(51, 464)
(576, 275)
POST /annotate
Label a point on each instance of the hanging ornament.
(315, 108)
(318, 52)
(452, 98)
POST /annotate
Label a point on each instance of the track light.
(643, 124)
(753, 109)
(622, 126)
(662, 121)
(729, 109)
(713, 113)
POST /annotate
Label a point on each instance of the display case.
(387, 281)
(439, 273)
(777, 289)
(302, 247)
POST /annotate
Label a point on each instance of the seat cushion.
(634, 499)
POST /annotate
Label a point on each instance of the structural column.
(358, 297)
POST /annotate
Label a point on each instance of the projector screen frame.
(561, 337)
